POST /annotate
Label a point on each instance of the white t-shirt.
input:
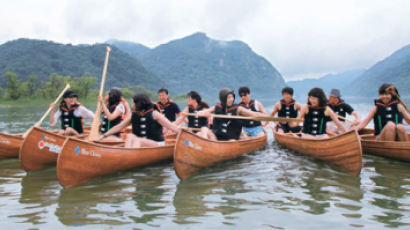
(121, 108)
(81, 111)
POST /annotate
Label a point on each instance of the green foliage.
(27, 57)
(13, 83)
(53, 87)
(82, 85)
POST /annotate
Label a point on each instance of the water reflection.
(392, 190)
(149, 192)
(95, 203)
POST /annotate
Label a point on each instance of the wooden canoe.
(398, 150)
(343, 150)
(10, 145)
(193, 152)
(79, 161)
(40, 149)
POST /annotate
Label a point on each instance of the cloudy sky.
(301, 38)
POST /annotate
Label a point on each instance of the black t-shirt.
(169, 109)
(341, 109)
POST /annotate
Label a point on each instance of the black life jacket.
(315, 121)
(338, 109)
(226, 129)
(196, 122)
(163, 108)
(68, 119)
(146, 126)
(251, 106)
(386, 113)
(107, 124)
(288, 110)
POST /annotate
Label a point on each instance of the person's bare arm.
(366, 121)
(161, 119)
(118, 128)
(403, 111)
(275, 109)
(334, 118)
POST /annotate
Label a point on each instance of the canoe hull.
(10, 145)
(397, 150)
(193, 153)
(343, 150)
(80, 161)
(40, 149)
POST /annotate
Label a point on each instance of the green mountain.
(393, 69)
(326, 82)
(199, 63)
(41, 58)
(135, 49)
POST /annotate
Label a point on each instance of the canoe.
(80, 161)
(343, 150)
(10, 145)
(398, 150)
(193, 153)
(40, 149)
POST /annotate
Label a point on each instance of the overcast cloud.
(300, 38)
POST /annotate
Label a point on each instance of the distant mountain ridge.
(197, 62)
(394, 69)
(41, 58)
(132, 48)
(326, 82)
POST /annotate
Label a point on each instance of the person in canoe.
(169, 108)
(146, 124)
(71, 114)
(339, 106)
(115, 109)
(315, 114)
(195, 104)
(289, 108)
(387, 115)
(225, 129)
(251, 128)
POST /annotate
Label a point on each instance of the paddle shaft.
(94, 133)
(48, 110)
(344, 118)
(281, 119)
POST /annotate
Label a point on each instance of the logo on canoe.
(4, 141)
(44, 137)
(51, 147)
(77, 150)
(189, 144)
(86, 152)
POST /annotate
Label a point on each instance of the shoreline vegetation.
(34, 92)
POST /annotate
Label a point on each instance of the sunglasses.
(242, 95)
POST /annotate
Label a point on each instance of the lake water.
(273, 188)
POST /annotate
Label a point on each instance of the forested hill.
(27, 57)
(199, 63)
(394, 69)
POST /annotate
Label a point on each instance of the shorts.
(252, 131)
(287, 129)
(161, 143)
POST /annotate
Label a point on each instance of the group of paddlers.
(322, 117)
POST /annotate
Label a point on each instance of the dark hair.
(383, 90)
(195, 95)
(288, 90)
(318, 92)
(244, 90)
(163, 90)
(115, 95)
(141, 101)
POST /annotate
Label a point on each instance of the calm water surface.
(273, 188)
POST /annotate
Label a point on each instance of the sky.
(301, 38)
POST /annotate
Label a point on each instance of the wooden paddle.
(47, 112)
(344, 118)
(262, 118)
(94, 132)
(391, 90)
